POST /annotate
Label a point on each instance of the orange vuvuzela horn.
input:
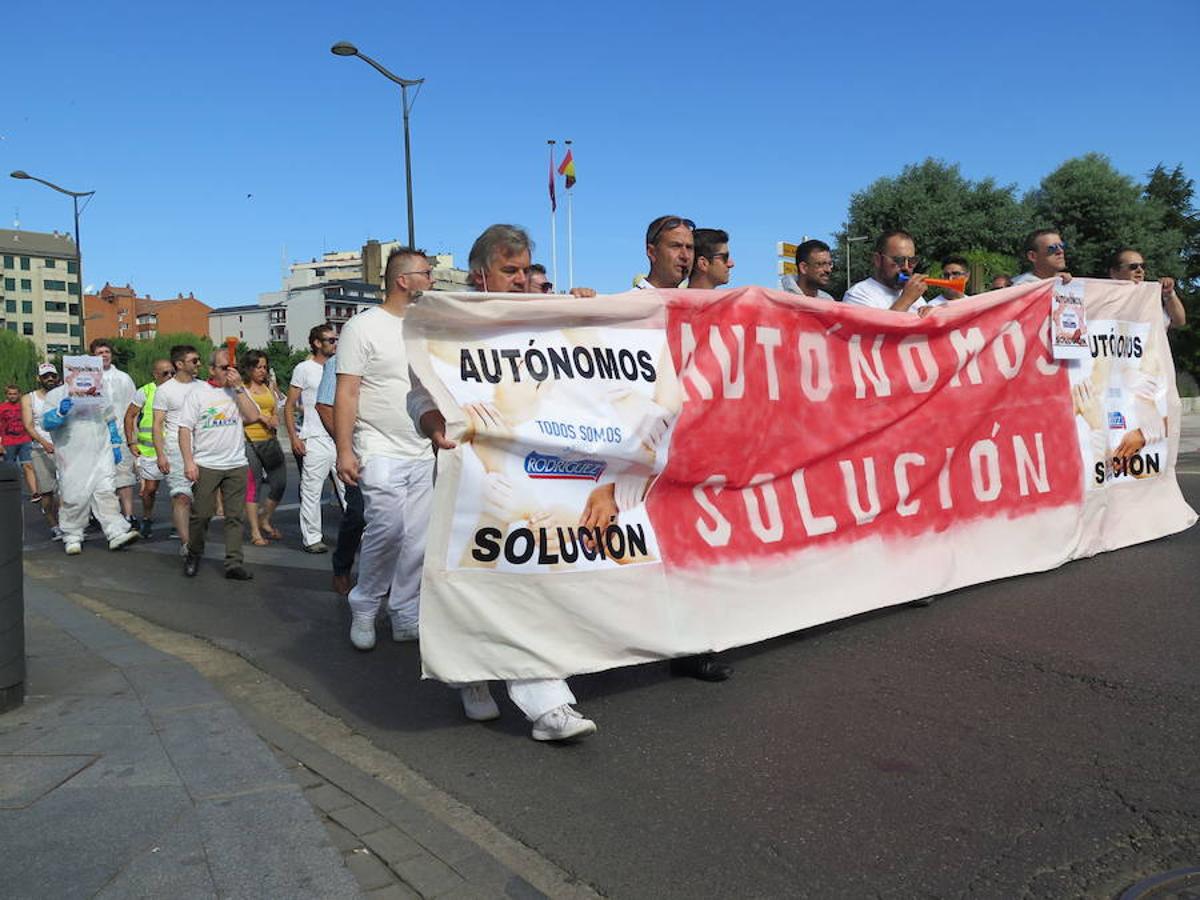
(231, 346)
(955, 284)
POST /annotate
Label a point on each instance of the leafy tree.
(1174, 191)
(1098, 210)
(282, 359)
(945, 213)
(19, 360)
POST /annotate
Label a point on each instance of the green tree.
(282, 360)
(945, 213)
(140, 366)
(19, 360)
(1175, 192)
(1098, 210)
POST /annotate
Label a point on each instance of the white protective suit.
(84, 457)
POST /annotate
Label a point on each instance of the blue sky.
(760, 118)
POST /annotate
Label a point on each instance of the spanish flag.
(568, 169)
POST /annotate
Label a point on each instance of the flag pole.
(553, 222)
(570, 232)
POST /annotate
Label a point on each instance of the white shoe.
(562, 724)
(362, 632)
(478, 703)
(401, 633)
(74, 548)
(122, 539)
(183, 551)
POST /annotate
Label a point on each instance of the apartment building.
(39, 290)
(118, 312)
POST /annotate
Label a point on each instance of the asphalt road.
(1030, 737)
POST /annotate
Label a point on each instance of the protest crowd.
(88, 439)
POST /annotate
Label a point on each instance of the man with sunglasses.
(894, 283)
(671, 249)
(1128, 265)
(213, 446)
(538, 282)
(312, 445)
(1046, 252)
(167, 405)
(712, 262)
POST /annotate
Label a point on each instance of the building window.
(12, 326)
(73, 309)
(49, 264)
(51, 284)
(9, 263)
(72, 267)
(74, 331)
(55, 307)
(10, 284)
(27, 307)
(10, 306)
(27, 284)
(56, 328)
(27, 328)
(24, 263)
(73, 288)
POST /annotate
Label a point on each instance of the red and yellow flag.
(568, 169)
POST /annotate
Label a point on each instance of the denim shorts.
(18, 453)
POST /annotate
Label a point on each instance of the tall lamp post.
(343, 48)
(849, 241)
(74, 195)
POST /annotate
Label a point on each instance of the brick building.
(118, 312)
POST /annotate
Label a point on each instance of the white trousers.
(397, 498)
(320, 461)
(537, 696)
(73, 518)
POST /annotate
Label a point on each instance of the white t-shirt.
(372, 346)
(788, 283)
(876, 295)
(307, 377)
(213, 417)
(1024, 278)
(169, 399)
(120, 389)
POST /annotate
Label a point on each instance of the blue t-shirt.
(328, 386)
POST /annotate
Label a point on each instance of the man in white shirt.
(312, 445)
(1046, 252)
(712, 262)
(1129, 265)
(379, 449)
(814, 268)
(120, 388)
(499, 261)
(214, 458)
(671, 249)
(168, 401)
(894, 284)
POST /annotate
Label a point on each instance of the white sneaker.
(122, 539)
(74, 548)
(562, 724)
(478, 703)
(362, 632)
(401, 633)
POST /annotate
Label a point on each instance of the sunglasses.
(720, 256)
(950, 273)
(667, 225)
(903, 261)
(1054, 249)
(1132, 266)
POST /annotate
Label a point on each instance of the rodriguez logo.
(1116, 420)
(538, 465)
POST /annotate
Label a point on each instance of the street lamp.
(74, 195)
(343, 48)
(849, 241)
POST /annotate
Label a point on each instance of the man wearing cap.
(33, 406)
(139, 433)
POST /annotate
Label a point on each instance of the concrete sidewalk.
(127, 774)
(1189, 433)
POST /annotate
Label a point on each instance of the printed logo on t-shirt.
(215, 417)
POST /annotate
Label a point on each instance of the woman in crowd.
(262, 448)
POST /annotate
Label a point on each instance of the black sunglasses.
(667, 225)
